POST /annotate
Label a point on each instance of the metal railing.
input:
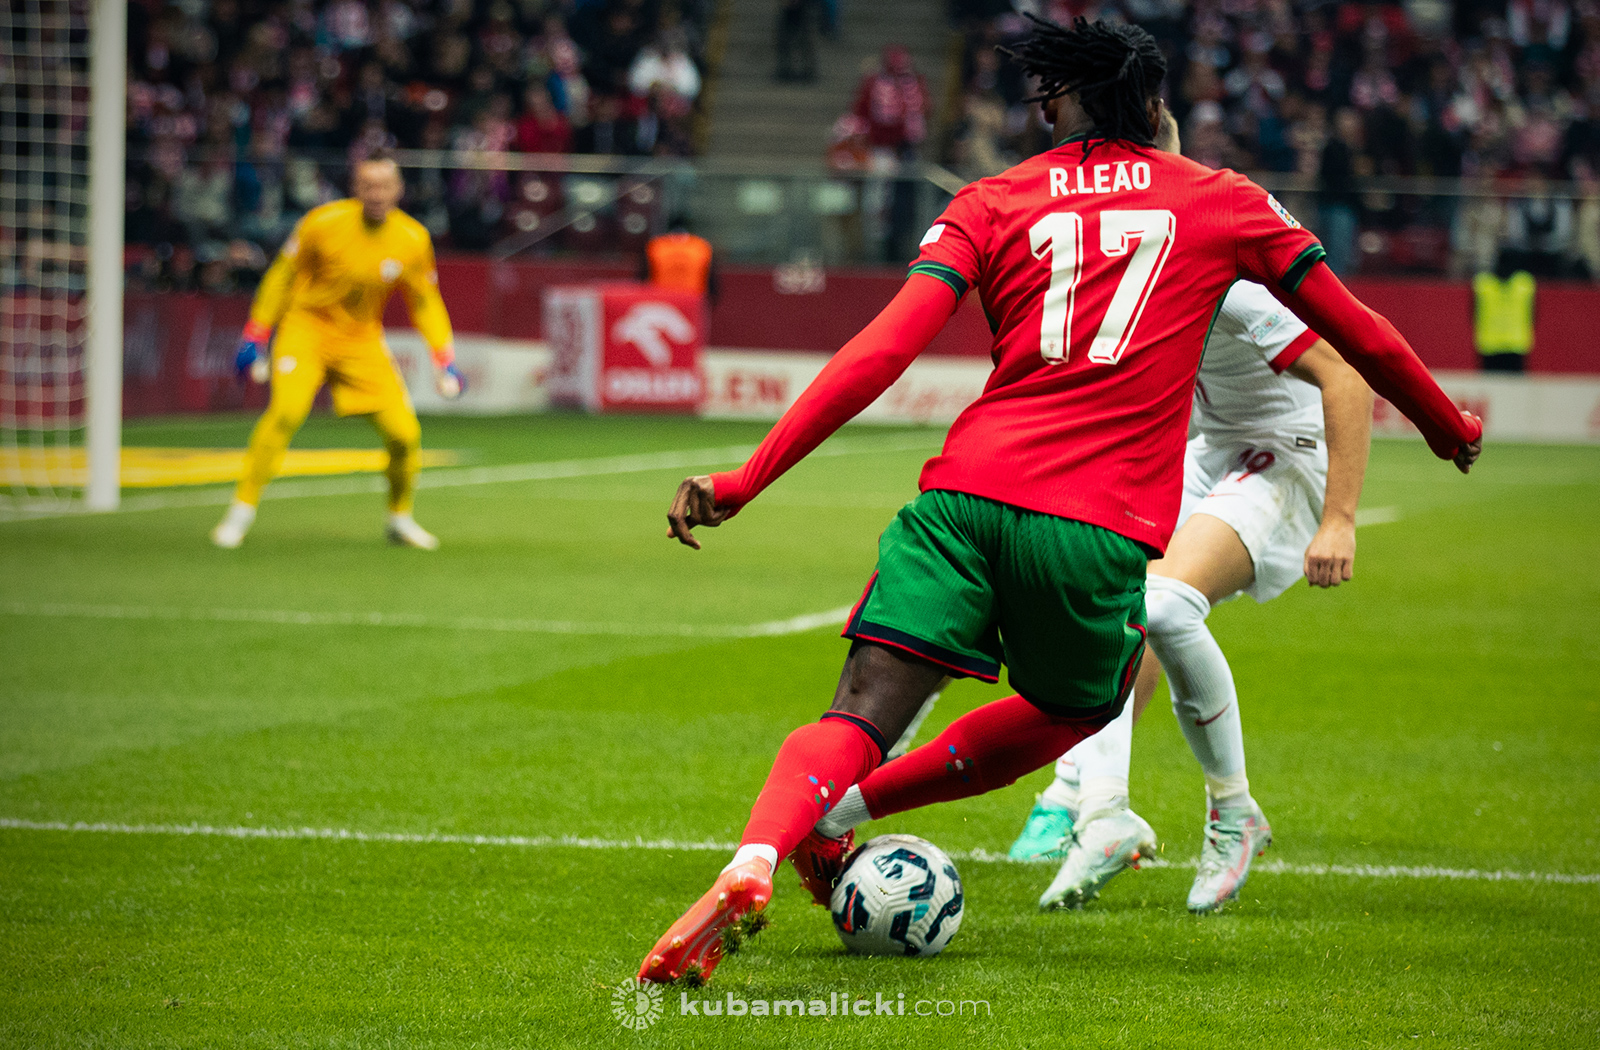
(516, 205)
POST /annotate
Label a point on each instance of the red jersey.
(1100, 274)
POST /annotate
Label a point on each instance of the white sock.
(851, 810)
(1063, 790)
(751, 850)
(240, 513)
(1203, 694)
(400, 518)
(903, 745)
(1102, 762)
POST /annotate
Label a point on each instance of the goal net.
(44, 231)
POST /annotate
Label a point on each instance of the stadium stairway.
(756, 119)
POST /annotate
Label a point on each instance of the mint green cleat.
(1044, 836)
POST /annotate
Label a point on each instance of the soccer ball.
(898, 895)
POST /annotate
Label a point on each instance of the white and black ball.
(898, 895)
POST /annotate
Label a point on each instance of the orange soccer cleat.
(820, 860)
(717, 924)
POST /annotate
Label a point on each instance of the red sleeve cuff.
(727, 488)
(1292, 353)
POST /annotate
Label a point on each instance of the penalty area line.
(302, 618)
(1272, 867)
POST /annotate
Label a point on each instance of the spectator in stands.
(665, 77)
(797, 49)
(1344, 160)
(1539, 228)
(893, 102)
(542, 128)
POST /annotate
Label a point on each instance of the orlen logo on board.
(652, 328)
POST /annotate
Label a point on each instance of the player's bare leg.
(402, 436)
(287, 410)
(879, 692)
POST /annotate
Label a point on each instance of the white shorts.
(1270, 491)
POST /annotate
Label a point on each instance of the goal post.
(108, 60)
(63, 99)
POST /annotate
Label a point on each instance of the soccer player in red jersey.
(1100, 262)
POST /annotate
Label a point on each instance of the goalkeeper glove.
(449, 381)
(249, 360)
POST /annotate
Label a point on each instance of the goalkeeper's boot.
(820, 861)
(717, 924)
(404, 531)
(231, 530)
(1100, 848)
(1044, 836)
(1235, 836)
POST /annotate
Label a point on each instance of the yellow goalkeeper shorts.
(360, 370)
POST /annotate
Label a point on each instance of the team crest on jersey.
(390, 269)
(1283, 213)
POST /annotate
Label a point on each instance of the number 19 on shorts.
(1060, 236)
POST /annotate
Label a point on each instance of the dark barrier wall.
(192, 337)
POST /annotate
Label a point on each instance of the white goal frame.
(108, 92)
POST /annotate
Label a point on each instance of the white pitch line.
(1366, 871)
(297, 618)
(1360, 871)
(456, 477)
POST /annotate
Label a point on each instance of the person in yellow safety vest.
(1503, 319)
(680, 260)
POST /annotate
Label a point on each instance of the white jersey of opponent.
(1242, 389)
(1257, 457)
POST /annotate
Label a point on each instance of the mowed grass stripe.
(1368, 871)
(302, 618)
(508, 473)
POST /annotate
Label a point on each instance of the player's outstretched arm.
(1347, 414)
(853, 379)
(1369, 342)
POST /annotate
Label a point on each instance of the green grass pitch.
(1440, 711)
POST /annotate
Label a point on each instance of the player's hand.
(1468, 454)
(450, 382)
(250, 361)
(1331, 557)
(695, 504)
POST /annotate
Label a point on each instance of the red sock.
(815, 767)
(980, 751)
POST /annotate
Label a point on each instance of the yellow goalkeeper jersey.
(339, 269)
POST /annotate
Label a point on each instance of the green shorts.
(968, 583)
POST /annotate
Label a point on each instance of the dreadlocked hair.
(1113, 68)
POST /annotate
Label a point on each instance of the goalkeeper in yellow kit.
(326, 294)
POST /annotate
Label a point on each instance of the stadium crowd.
(1503, 94)
(244, 114)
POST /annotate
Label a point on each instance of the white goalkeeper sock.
(1203, 694)
(1102, 762)
(851, 810)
